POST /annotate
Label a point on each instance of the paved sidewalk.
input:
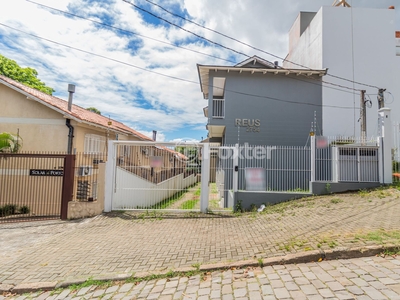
(115, 245)
(361, 278)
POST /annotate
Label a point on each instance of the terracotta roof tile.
(77, 111)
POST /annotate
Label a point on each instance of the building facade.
(360, 47)
(259, 103)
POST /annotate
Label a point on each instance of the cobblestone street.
(119, 245)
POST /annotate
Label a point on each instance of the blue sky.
(141, 99)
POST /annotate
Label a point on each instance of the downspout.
(71, 91)
(70, 135)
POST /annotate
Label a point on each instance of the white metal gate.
(154, 175)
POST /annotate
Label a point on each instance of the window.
(94, 144)
(218, 109)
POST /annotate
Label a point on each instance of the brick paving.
(255, 283)
(122, 244)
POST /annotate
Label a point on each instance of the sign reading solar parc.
(36, 172)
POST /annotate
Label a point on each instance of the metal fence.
(86, 172)
(396, 153)
(346, 159)
(34, 186)
(152, 176)
(274, 168)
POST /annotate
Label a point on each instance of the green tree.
(94, 109)
(10, 143)
(27, 76)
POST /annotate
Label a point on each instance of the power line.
(238, 41)
(320, 82)
(169, 76)
(216, 43)
(127, 31)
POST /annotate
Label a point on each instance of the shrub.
(8, 209)
(24, 209)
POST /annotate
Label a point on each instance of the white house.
(359, 44)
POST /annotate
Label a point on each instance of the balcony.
(218, 108)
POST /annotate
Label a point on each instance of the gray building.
(260, 103)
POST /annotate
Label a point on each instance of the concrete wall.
(281, 121)
(317, 188)
(324, 188)
(33, 120)
(248, 199)
(134, 192)
(307, 49)
(78, 210)
(358, 44)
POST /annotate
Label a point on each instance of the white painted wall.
(358, 44)
(308, 51)
(133, 192)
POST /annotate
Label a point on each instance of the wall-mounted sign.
(36, 172)
(251, 125)
(255, 179)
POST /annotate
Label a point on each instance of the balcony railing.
(218, 108)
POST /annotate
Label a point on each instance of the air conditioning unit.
(85, 170)
(145, 151)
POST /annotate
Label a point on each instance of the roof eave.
(63, 113)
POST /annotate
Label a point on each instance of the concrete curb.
(293, 258)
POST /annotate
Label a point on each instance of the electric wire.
(169, 76)
(238, 41)
(127, 31)
(216, 43)
(319, 82)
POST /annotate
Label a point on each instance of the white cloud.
(117, 89)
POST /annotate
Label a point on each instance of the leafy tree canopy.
(27, 76)
(10, 142)
(94, 109)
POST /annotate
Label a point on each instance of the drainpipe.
(71, 91)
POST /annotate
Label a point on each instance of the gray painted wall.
(317, 188)
(281, 122)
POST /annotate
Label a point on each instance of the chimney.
(71, 91)
(154, 135)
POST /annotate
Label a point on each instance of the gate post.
(385, 146)
(235, 176)
(110, 180)
(313, 157)
(205, 178)
(68, 184)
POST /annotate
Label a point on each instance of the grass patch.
(197, 192)
(363, 193)
(167, 202)
(213, 187)
(293, 244)
(190, 204)
(152, 214)
(336, 200)
(91, 282)
(169, 274)
(381, 236)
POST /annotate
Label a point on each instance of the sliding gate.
(153, 175)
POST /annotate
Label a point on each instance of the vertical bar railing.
(218, 108)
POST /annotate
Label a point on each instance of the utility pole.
(381, 98)
(363, 117)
